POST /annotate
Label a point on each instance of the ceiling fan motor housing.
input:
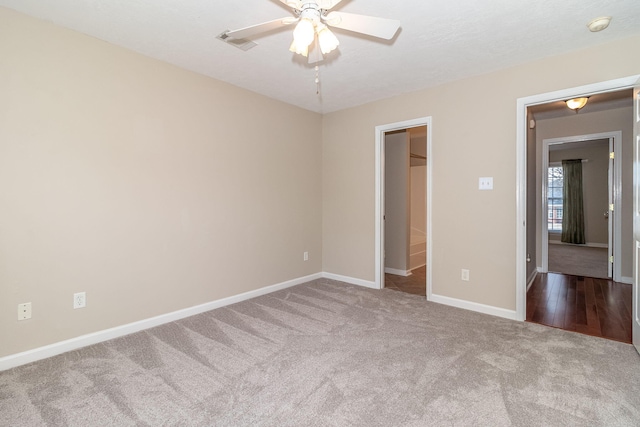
(310, 11)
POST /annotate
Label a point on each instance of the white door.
(636, 217)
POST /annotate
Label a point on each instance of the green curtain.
(572, 204)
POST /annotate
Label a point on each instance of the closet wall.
(405, 200)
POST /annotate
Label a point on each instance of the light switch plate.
(485, 183)
(24, 311)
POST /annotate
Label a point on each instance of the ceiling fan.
(312, 33)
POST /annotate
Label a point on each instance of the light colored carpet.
(578, 260)
(330, 354)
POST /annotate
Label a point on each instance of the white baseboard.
(351, 280)
(404, 273)
(597, 245)
(589, 245)
(623, 279)
(418, 266)
(474, 306)
(13, 360)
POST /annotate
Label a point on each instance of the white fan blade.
(377, 27)
(323, 4)
(248, 32)
(296, 4)
(327, 4)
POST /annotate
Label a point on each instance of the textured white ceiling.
(439, 40)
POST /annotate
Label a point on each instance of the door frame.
(635, 293)
(521, 169)
(379, 195)
(615, 196)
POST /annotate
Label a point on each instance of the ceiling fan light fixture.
(327, 40)
(576, 103)
(304, 33)
(300, 50)
(311, 34)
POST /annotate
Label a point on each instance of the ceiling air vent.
(242, 44)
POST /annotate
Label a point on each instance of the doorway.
(380, 175)
(523, 124)
(599, 256)
(574, 289)
(404, 215)
(574, 294)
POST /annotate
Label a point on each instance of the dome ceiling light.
(577, 103)
(599, 24)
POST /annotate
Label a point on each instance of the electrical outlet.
(79, 300)
(305, 256)
(465, 275)
(24, 311)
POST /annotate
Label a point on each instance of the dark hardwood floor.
(415, 284)
(597, 307)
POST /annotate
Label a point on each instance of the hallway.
(597, 307)
(415, 284)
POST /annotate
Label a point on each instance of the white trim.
(521, 169)
(13, 360)
(379, 194)
(397, 272)
(351, 280)
(596, 245)
(615, 193)
(544, 227)
(418, 266)
(626, 280)
(474, 306)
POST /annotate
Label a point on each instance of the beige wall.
(419, 198)
(418, 178)
(149, 187)
(619, 119)
(471, 229)
(143, 185)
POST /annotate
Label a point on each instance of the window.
(554, 198)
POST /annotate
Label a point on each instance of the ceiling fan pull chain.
(317, 81)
